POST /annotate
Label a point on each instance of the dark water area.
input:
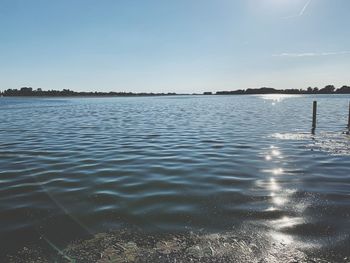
(71, 168)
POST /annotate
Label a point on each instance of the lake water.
(74, 166)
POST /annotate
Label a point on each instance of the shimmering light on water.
(70, 167)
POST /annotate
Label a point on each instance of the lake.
(72, 167)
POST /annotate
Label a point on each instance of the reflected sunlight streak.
(279, 198)
(276, 98)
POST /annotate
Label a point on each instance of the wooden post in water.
(314, 114)
(349, 120)
(349, 117)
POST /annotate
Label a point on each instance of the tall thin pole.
(314, 115)
(349, 119)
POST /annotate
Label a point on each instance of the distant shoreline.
(30, 92)
(152, 96)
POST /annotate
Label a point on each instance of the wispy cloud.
(302, 11)
(311, 54)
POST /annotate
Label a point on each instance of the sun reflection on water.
(286, 222)
(276, 98)
(275, 153)
(280, 197)
(273, 185)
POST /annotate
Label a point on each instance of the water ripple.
(87, 165)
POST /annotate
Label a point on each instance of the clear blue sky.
(180, 45)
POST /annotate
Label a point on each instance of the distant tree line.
(28, 91)
(329, 89)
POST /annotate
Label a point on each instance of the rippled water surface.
(74, 166)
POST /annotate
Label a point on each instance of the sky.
(182, 46)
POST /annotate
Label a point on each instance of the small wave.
(335, 143)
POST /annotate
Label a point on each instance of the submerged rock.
(195, 252)
(110, 255)
(131, 251)
(167, 247)
(128, 253)
(128, 246)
